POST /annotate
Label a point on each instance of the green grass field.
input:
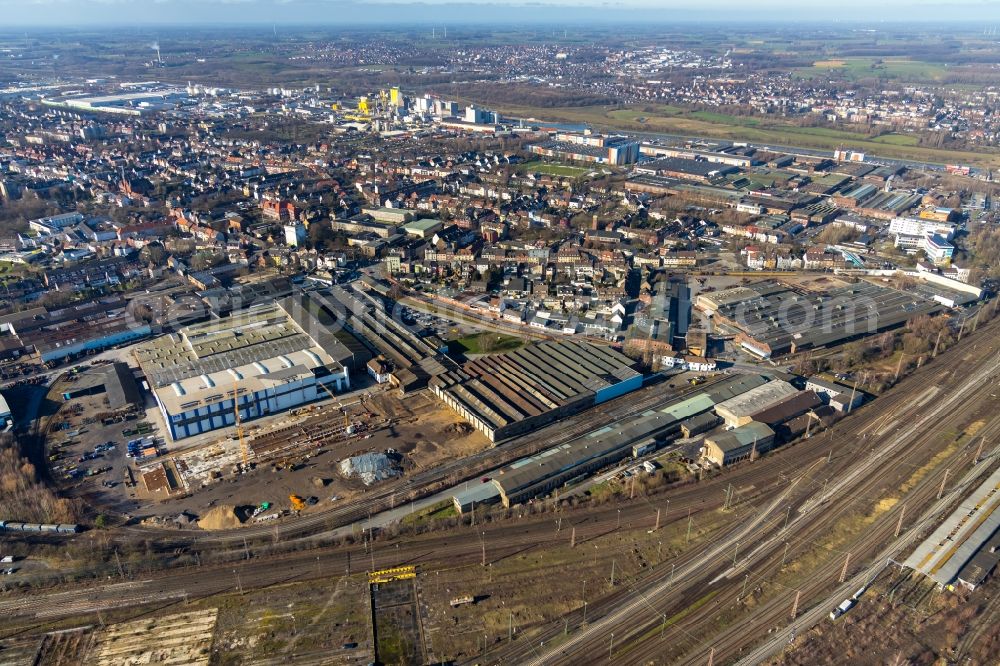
(553, 169)
(858, 68)
(485, 343)
(443, 509)
(897, 140)
(670, 119)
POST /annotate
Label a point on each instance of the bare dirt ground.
(324, 621)
(289, 624)
(427, 432)
(907, 621)
(418, 426)
(517, 594)
(817, 283)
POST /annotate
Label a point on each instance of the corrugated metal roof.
(479, 493)
(745, 435)
(694, 405)
(943, 554)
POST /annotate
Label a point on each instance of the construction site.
(297, 463)
(286, 443)
(277, 410)
(252, 465)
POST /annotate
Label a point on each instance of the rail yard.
(808, 496)
(493, 345)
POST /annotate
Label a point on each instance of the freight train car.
(63, 528)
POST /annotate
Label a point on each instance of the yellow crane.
(239, 426)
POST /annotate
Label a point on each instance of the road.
(790, 150)
(866, 463)
(855, 464)
(907, 540)
(437, 482)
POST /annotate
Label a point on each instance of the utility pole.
(672, 574)
(843, 572)
(612, 573)
(510, 627)
(943, 481)
(788, 512)
(663, 626)
(736, 549)
(979, 451)
(746, 579)
(899, 366)
(657, 526)
(118, 561)
(784, 555)
(961, 330)
(899, 523)
(854, 393)
(618, 526)
(572, 538)
(711, 656)
(687, 539)
(611, 647)
(753, 450)
(795, 604)
(937, 343)
(482, 539)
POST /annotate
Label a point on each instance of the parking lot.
(87, 448)
(424, 325)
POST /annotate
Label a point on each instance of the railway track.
(988, 619)
(422, 483)
(867, 480)
(876, 539)
(924, 525)
(788, 478)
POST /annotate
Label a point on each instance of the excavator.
(297, 502)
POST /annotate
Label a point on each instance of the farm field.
(669, 119)
(894, 68)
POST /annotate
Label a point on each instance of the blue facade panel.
(619, 389)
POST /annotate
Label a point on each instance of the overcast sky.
(334, 12)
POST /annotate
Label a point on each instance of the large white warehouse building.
(260, 355)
